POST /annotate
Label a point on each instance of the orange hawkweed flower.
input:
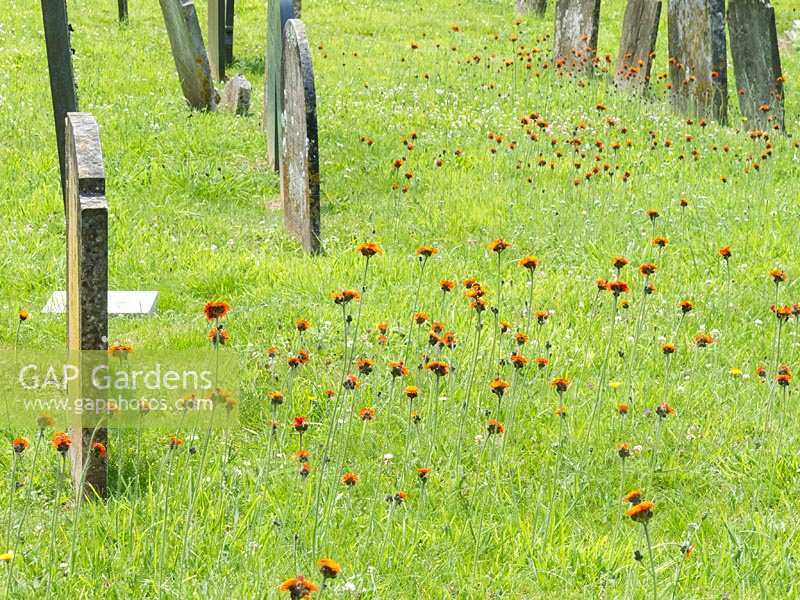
(499, 386)
(541, 362)
(346, 296)
(623, 408)
(120, 351)
(647, 269)
(420, 318)
(703, 339)
(174, 442)
(299, 424)
(668, 348)
(602, 284)
(633, 497)
(660, 241)
(446, 285)
(652, 214)
(398, 369)
(276, 397)
(518, 361)
(493, 426)
(725, 252)
(620, 262)
(623, 450)
(663, 410)
(521, 338)
(218, 336)
(365, 365)
(529, 262)
(427, 251)
(438, 367)
(61, 442)
(777, 275)
(783, 379)
(329, 569)
(411, 391)
(351, 382)
(560, 384)
(499, 245)
(23, 315)
(382, 328)
(642, 512)
(368, 249)
(350, 479)
(366, 413)
(302, 325)
(686, 306)
(422, 473)
(618, 287)
(303, 456)
(216, 310)
(19, 445)
(99, 450)
(298, 587)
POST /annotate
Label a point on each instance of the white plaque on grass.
(119, 303)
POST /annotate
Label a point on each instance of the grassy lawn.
(534, 512)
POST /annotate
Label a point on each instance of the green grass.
(195, 215)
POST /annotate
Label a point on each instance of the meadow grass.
(535, 512)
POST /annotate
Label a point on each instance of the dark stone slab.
(577, 23)
(300, 148)
(216, 38)
(526, 7)
(236, 95)
(756, 63)
(697, 58)
(62, 77)
(87, 288)
(278, 12)
(229, 16)
(638, 44)
(189, 52)
(122, 10)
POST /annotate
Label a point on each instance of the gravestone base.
(119, 303)
(637, 46)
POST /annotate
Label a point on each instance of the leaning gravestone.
(525, 7)
(236, 96)
(188, 50)
(638, 44)
(299, 148)
(278, 12)
(756, 63)
(62, 77)
(87, 289)
(697, 58)
(576, 31)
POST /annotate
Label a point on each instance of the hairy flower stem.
(468, 394)
(603, 371)
(652, 561)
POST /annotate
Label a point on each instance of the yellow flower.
(614, 385)
(736, 372)
(7, 556)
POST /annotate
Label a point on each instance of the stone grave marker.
(525, 7)
(123, 302)
(87, 288)
(697, 58)
(638, 44)
(299, 148)
(756, 63)
(62, 77)
(122, 10)
(278, 12)
(229, 15)
(217, 14)
(236, 95)
(576, 30)
(188, 50)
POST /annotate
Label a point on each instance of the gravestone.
(229, 14)
(216, 38)
(525, 7)
(62, 78)
(278, 12)
(697, 58)
(756, 63)
(188, 50)
(638, 44)
(576, 30)
(123, 302)
(299, 148)
(87, 288)
(236, 95)
(122, 9)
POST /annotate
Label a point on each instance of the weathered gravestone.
(697, 59)
(62, 78)
(299, 148)
(756, 63)
(638, 44)
(278, 12)
(236, 95)
(87, 290)
(122, 10)
(525, 7)
(216, 38)
(188, 50)
(576, 31)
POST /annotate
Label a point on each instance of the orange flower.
(298, 587)
(777, 275)
(343, 297)
(302, 325)
(365, 365)
(216, 310)
(303, 455)
(686, 306)
(329, 569)
(505, 326)
(634, 497)
(366, 413)
(351, 382)
(725, 252)
(652, 214)
(623, 408)
(398, 369)
(350, 479)
(618, 287)
(521, 338)
(411, 391)
(541, 362)
(23, 315)
(493, 426)
(642, 512)
(660, 241)
(427, 251)
(647, 269)
(299, 424)
(368, 249)
(560, 384)
(602, 284)
(20, 445)
(664, 409)
(276, 397)
(120, 350)
(518, 361)
(382, 327)
(438, 367)
(703, 339)
(499, 245)
(174, 442)
(668, 348)
(529, 262)
(422, 473)
(99, 450)
(446, 285)
(218, 335)
(620, 262)
(420, 318)
(499, 386)
(61, 442)
(624, 450)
